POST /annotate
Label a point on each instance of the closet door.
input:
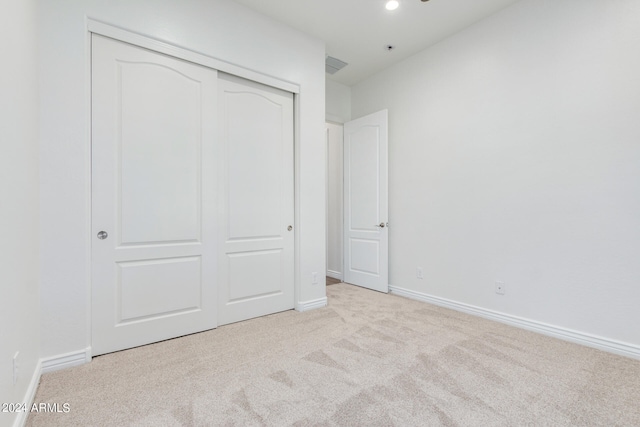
(154, 238)
(256, 215)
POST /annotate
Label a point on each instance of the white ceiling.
(357, 31)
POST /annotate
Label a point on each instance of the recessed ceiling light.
(392, 5)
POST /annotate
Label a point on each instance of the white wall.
(515, 156)
(19, 319)
(338, 102)
(219, 28)
(338, 110)
(335, 148)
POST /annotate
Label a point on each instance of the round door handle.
(103, 235)
(289, 228)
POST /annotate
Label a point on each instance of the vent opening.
(333, 65)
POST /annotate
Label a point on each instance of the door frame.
(162, 47)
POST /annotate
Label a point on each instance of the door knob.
(381, 225)
(289, 228)
(103, 235)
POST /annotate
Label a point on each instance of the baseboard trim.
(45, 365)
(68, 360)
(334, 274)
(611, 346)
(21, 417)
(311, 305)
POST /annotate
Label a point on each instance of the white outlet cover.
(500, 288)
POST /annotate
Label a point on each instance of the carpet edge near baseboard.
(30, 394)
(588, 340)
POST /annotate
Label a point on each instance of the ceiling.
(358, 31)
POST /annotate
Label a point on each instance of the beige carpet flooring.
(368, 359)
(332, 281)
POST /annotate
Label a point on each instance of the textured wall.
(19, 307)
(514, 156)
(338, 102)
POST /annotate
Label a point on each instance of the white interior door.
(154, 243)
(366, 226)
(257, 206)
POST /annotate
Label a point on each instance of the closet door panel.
(256, 254)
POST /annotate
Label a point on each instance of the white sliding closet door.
(154, 196)
(256, 215)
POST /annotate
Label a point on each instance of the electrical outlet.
(314, 278)
(419, 274)
(15, 367)
(500, 288)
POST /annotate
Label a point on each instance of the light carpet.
(368, 359)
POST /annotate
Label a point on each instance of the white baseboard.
(311, 305)
(334, 274)
(611, 346)
(50, 364)
(76, 358)
(21, 417)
